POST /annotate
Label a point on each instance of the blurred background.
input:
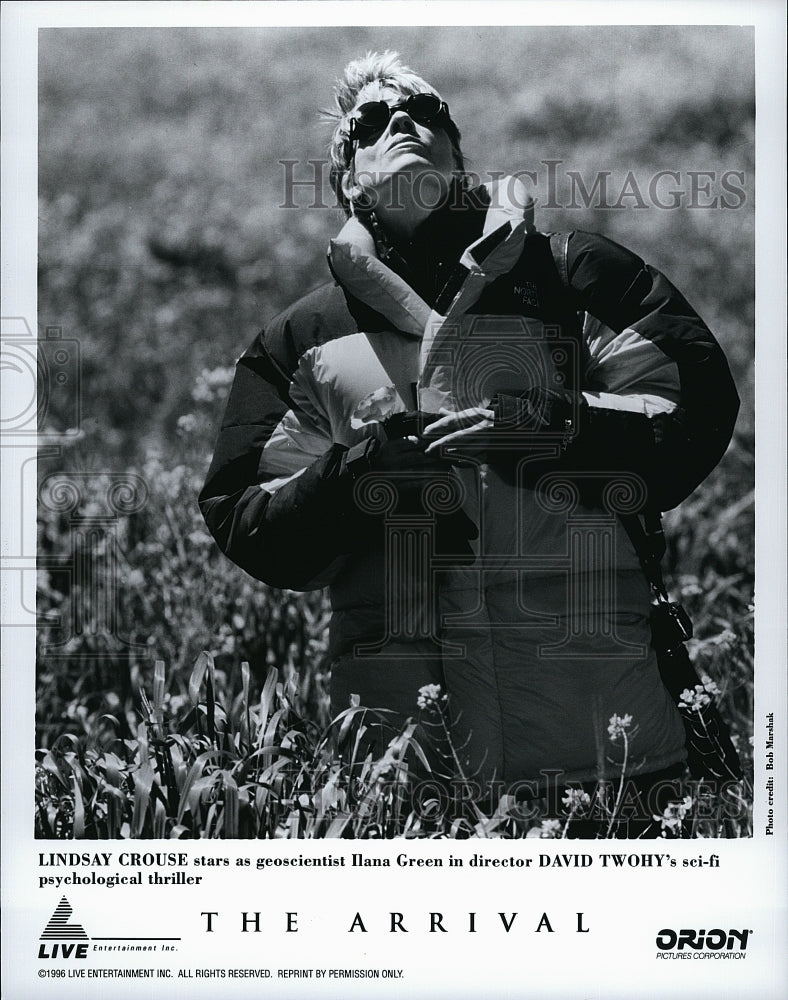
(162, 242)
(164, 247)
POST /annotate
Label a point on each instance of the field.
(168, 236)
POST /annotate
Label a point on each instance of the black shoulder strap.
(648, 540)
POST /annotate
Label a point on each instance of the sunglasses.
(374, 116)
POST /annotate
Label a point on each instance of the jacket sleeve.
(656, 394)
(274, 498)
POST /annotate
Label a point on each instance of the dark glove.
(404, 465)
(407, 424)
(402, 461)
(594, 443)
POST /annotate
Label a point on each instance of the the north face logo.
(527, 293)
(59, 929)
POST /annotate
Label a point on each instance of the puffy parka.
(610, 395)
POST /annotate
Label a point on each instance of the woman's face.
(405, 162)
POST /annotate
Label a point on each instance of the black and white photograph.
(379, 459)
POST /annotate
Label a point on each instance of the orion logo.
(66, 937)
(713, 940)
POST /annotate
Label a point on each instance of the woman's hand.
(457, 427)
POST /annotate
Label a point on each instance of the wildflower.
(211, 385)
(176, 703)
(618, 726)
(186, 423)
(199, 537)
(225, 639)
(673, 815)
(548, 829)
(696, 699)
(134, 579)
(575, 799)
(710, 686)
(430, 696)
(690, 587)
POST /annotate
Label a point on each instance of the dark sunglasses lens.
(374, 114)
(423, 108)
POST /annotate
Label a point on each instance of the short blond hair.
(387, 69)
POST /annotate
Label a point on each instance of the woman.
(446, 437)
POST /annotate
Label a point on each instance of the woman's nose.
(401, 122)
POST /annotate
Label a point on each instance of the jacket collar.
(354, 262)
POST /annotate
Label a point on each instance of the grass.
(211, 767)
(163, 249)
(239, 741)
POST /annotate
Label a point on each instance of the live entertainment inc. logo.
(65, 938)
(62, 939)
